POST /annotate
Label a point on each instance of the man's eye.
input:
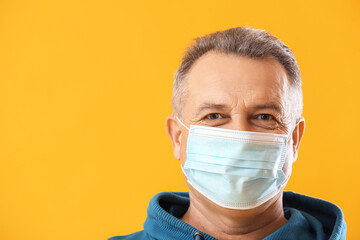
(213, 116)
(265, 117)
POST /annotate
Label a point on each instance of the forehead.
(235, 80)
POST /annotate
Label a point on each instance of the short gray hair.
(248, 42)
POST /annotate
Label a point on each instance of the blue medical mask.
(235, 169)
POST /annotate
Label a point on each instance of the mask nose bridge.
(289, 136)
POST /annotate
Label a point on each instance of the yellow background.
(85, 88)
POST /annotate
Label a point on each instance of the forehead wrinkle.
(237, 95)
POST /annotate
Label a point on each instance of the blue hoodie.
(307, 218)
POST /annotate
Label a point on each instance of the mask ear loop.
(182, 123)
(182, 169)
(290, 136)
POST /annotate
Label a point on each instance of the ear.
(297, 135)
(173, 130)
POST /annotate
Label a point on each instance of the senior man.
(236, 129)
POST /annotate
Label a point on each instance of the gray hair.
(248, 42)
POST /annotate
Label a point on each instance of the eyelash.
(271, 123)
(208, 116)
(271, 116)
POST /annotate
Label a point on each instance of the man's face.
(239, 93)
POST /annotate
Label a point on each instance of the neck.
(230, 224)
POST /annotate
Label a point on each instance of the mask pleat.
(228, 170)
(253, 164)
(231, 149)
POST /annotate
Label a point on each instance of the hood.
(308, 218)
(321, 215)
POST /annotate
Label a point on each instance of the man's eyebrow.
(271, 105)
(206, 106)
(209, 105)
